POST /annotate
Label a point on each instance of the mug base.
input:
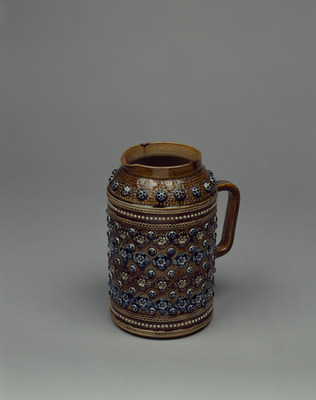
(161, 327)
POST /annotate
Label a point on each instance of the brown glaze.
(162, 238)
(161, 150)
(230, 221)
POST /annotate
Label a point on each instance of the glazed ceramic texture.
(162, 240)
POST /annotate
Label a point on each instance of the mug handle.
(230, 221)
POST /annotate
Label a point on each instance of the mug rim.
(192, 154)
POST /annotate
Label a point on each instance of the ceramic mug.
(162, 239)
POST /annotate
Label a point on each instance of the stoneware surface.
(162, 239)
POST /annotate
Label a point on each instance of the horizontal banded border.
(165, 220)
(152, 223)
(155, 327)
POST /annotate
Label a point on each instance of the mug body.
(162, 241)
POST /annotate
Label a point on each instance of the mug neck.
(162, 160)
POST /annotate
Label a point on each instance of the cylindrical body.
(162, 240)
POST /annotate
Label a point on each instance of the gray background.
(83, 80)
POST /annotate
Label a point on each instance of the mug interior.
(161, 154)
